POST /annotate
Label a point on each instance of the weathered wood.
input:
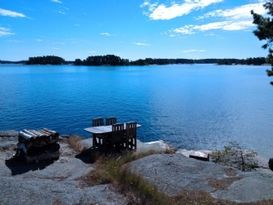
(199, 155)
(111, 121)
(38, 144)
(131, 134)
(103, 129)
(30, 133)
(97, 122)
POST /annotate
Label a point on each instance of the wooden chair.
(111, 121)
(97, 138)
(131, 135)
(97, 122)
(117, 136)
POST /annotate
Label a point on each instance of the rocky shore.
(61, 181)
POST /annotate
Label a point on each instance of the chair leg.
(94, 141)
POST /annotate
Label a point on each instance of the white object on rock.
(188, 153)
(157, 146)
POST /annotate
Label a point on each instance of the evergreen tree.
(264, 31)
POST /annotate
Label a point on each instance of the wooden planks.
(43, 134)
(199, 155)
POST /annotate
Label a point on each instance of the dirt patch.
(219, 184)
(197, 198)
(74, 143)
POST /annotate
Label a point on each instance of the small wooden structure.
(113, 136)
(199, 155)
(37, 145)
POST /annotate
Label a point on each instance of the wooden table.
(103, 129)
(102, 134)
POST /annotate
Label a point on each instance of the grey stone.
(172, 174)
(254, 186)
(59, 182)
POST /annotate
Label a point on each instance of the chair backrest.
(131, 129)
(111, 121)
(97, 122)
(117, 132)
(119, 127)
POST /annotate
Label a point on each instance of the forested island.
(113, 60)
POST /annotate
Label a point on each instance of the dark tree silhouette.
(44, 60)
(264, 31)
(113, 60)
(103, 60)
(78, 62)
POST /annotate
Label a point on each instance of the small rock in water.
(270, 163)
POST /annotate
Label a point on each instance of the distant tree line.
(44, 60)
(228, 61)
(161, 61)
(248, 61)
(102, 60)
(113, 60)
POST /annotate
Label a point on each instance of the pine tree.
(264, 31)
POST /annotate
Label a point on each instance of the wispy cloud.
(105, 34)
(157, 11)
(193, 51)
(241, 12)
(5, 32)
(57, 1)
(62, 12)
(141, 44)
(39, 40)
(220, 25)
(238, 18)
(9, 13)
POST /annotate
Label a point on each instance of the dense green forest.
(44, 60)
(113, 60)
(102, 60)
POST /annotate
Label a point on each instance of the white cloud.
(141, 44)
(106, 34)
(9, 13)
(162, 12)
(57, 1)
(219, 25)
(238, 18)
(237, 12)
(193, 51)
(5, 32)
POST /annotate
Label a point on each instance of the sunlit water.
(188, 106)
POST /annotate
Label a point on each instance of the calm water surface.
(188, 106)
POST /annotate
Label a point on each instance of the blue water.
(188, 106)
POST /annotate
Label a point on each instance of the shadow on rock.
(92, 154)
(18, 166)
(89, 156)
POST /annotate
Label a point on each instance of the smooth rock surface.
(175, 173)
(58, 182)
(254, 186)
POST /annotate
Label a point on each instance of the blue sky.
(129, 28)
